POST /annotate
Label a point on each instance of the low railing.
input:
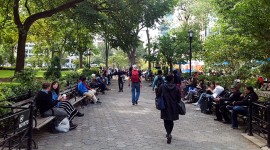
(16, 128)
(259, 120)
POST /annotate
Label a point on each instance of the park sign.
(23, 119)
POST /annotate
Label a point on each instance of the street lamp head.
(190, 32)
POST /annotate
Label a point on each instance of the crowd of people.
(50, 102)
(227, 103)
(172, 87)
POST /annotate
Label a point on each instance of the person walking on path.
(171, 95)
(136, 83)
(158, 81)
(121, 75)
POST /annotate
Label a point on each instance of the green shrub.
(25, 77)
(224, 81)
(71, 76)
(26, 81)
(54, 70)
(265, 70)
(251, 82)
(88, 72)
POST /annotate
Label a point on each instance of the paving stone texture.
(118, 125)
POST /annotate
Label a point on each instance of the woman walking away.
(171, 95)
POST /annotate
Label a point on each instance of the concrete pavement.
(118, 125)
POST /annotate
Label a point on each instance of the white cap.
(237, 80)
(93, 75)
(134, 66)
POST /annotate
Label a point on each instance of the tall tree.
(24, 22)
(153, 11)
(249, 18)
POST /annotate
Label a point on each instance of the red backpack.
(135, 76)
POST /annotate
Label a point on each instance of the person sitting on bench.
(241, 107)
(62, 103)
(222, 102)
(47, 107)
(89, 93)
(215, 89)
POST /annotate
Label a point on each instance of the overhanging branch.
(48, 13)
(17, 19)
(26, 6)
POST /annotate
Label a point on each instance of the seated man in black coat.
(46, 106)
(222, 102)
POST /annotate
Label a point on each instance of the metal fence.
(16, 123)
(16, 128)
(259, 120)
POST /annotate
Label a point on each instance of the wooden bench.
(72, 94)
(73, 97)
(38, 121)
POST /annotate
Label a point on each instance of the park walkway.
(117, 125)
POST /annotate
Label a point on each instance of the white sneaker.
(198, 109)
(195, 104)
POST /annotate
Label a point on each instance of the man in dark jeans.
(222, 102)
(120, 75)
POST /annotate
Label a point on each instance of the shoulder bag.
(160, 102)
(181, 107)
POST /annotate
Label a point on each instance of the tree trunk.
(148, 48)
(20, 60)
(80, 58)
(171, 66)
(53, 53)
(132, 56)
(106, 53)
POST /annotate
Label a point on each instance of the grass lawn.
(6, 73)
(10, 73)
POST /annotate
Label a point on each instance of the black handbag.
(181, 108)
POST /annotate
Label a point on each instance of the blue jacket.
(81, 88)
(55, 98)
(154, 84)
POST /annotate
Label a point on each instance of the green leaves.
(243, 36)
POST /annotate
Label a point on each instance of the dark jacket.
(176, 79)
(119, 74)
(171, 94)
(245, 100)
(234, 96)
(44, 101)
(202, 88)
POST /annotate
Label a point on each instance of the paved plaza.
(118, 125)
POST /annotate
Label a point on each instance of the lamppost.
(190, 52)
(89, 55)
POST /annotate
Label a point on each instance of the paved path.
(117, 125)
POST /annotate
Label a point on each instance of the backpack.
(159, 81)
(135, 76)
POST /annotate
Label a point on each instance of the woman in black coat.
(171, 94)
